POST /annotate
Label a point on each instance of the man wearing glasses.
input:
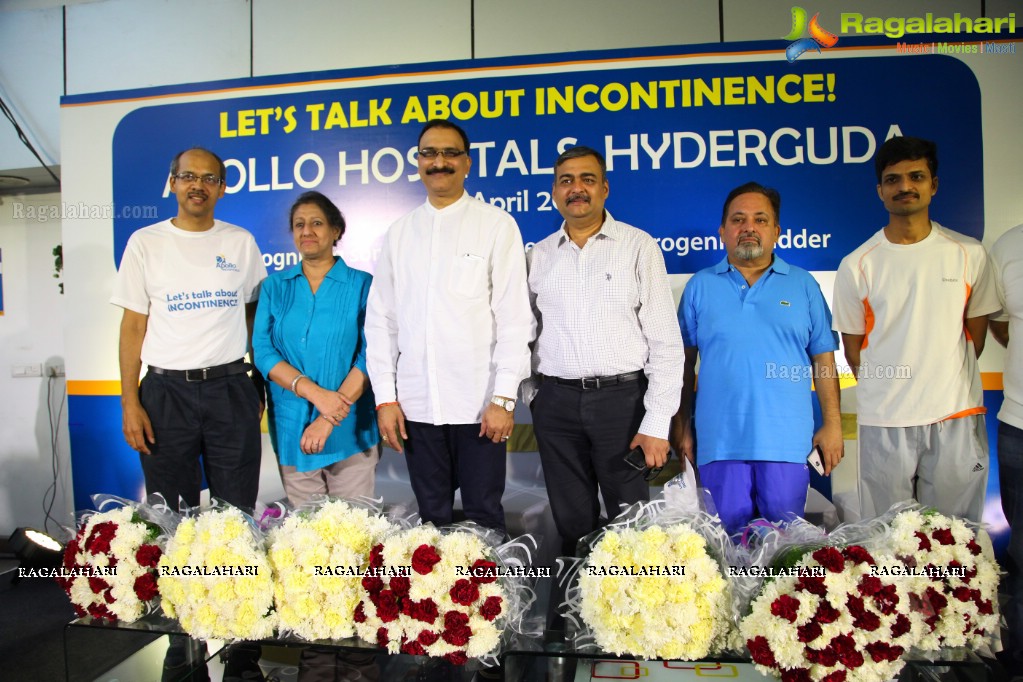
(447, 332)
(188, 287)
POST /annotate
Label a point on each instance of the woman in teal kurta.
(308, 339)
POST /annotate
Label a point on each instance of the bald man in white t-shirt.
(188, 287)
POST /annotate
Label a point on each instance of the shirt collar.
(337, 272)
(340, 270)
(610, 229)
(450, 207)
(777, 264)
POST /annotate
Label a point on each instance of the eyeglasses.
(449, 153)
(208, 179)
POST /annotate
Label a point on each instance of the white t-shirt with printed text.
(194, 287)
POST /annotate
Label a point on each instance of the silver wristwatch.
(507, 403)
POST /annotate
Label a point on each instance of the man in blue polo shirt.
(763, 331)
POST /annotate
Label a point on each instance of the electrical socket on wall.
(26, 371)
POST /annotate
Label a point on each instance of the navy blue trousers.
(215, 420)
(1010, 480)
(443, 458)
(583, 437)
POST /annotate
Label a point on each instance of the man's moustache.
(434, 171)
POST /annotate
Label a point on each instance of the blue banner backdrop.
(677, 138)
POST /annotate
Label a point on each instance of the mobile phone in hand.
(816, 459)
(636, 459)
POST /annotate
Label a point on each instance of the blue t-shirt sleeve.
(687, 314)
(822, 338)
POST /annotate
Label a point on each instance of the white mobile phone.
(816, 460)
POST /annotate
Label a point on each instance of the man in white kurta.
(447, 331)
(1007, 328)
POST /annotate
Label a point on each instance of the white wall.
(31, 83)
(31, 332)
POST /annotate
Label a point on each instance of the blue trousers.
(746, 490)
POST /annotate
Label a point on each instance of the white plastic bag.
(681, 492)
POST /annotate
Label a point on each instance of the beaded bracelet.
(294, 382)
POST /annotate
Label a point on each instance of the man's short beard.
(749, 251)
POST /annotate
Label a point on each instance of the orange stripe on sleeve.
(868, 322)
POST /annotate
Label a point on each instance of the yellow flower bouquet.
(651, 587)
(319, 557)
(215, 577)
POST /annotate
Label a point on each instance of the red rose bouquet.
(435, 593)
(958, 588)
(110, 567)
(835, 615)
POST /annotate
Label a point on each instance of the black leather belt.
(590, 383)
(205, 373)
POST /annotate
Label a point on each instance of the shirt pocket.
(619, 288)
(468, 275)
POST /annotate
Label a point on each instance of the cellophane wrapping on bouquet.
(448, 592)
(654, 585)
(110, 566)
(215, 576)
(319, 553)
(833, 611)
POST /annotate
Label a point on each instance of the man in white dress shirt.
(447, 333)
(1007, 328)
(608, 352)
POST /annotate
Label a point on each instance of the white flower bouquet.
(958, 592)
(443, 593)
(109, 567)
